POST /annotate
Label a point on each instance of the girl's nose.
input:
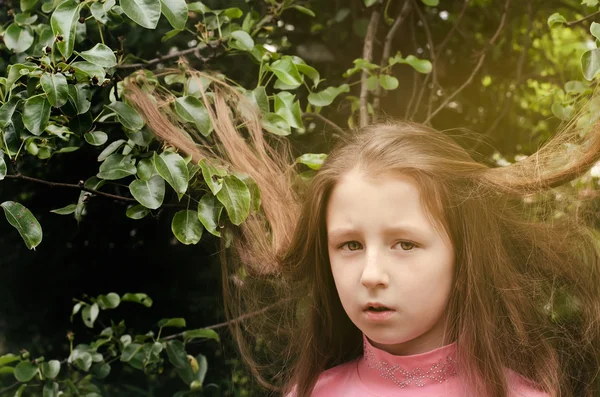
(374, 273)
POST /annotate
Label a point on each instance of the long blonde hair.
(513, 269)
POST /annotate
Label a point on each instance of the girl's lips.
(378, 316)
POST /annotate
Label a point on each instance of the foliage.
(61, 92)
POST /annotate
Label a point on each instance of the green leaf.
(23, 220)
(191, 109)
(64, 23)
(275, 124)
(110, 149)
(562, 112)
(369, 3)
(200, 333)
(109, 301)
(420, 65)
(18, 38)
(556, 19)
(595, 30)
(288, 109)
(213, 176)
(80, 97)
(89, 314)
(81, 359)
(287, 72)
(187, 227)
(36, 114)
(117, 166)
(27, 5)
(141, 137)
(388, 82)
(146, 169)
(150, 193)
(50, 389)
(51, 369)
(56, 88)
(99, 10)
(202, 368)
(69, 209)
(311, 72)
(25, 19)
(96, 138)
(590, 3)
(372, 82)
(172, 322)
(198, 6)
(173, 168)
(100, 55)
(576, 87)
(209, 212)
(304, 10)
(16, 71)
(2, 166)
(129, 351)
(590, 64)
(312, 160)
(86, 70)
(327, 96)
(3, 169)
(176, 12)
(259, 97)
(431, 3)
(145, 13)
(8, 359)
(25, 371)
(127, 115)
(137, 211)
(7, 110)
(235, 197)
(137, 298)
(243, 41)
(177, 354)
(100, 370)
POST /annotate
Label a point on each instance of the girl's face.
(384, 249)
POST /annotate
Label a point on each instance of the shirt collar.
(378, 368)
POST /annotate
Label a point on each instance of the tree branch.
(387, 49)
(433, 57)
(81, 187)
(177, 54)
(571, 23)
(452, 29)
(226, 323)
(330, 123)
(519, 72)
(367, 56)
(477, 67)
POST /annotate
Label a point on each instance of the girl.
(404, 268)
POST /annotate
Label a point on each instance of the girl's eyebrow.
(390, 230)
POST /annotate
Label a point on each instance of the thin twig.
(330, 123)
(368, 57)
(433, 56)
(80, 187)
(452, 29)
(477, 67)
(9, 388)
(387, 49)
(571, 23)
(519, 72)
(416, 75)
(195, 50)
(226, 323)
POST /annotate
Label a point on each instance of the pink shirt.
(381, 374)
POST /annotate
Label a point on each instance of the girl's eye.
(406, 245)
(352, 245)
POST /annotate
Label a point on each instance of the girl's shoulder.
(520, 386)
